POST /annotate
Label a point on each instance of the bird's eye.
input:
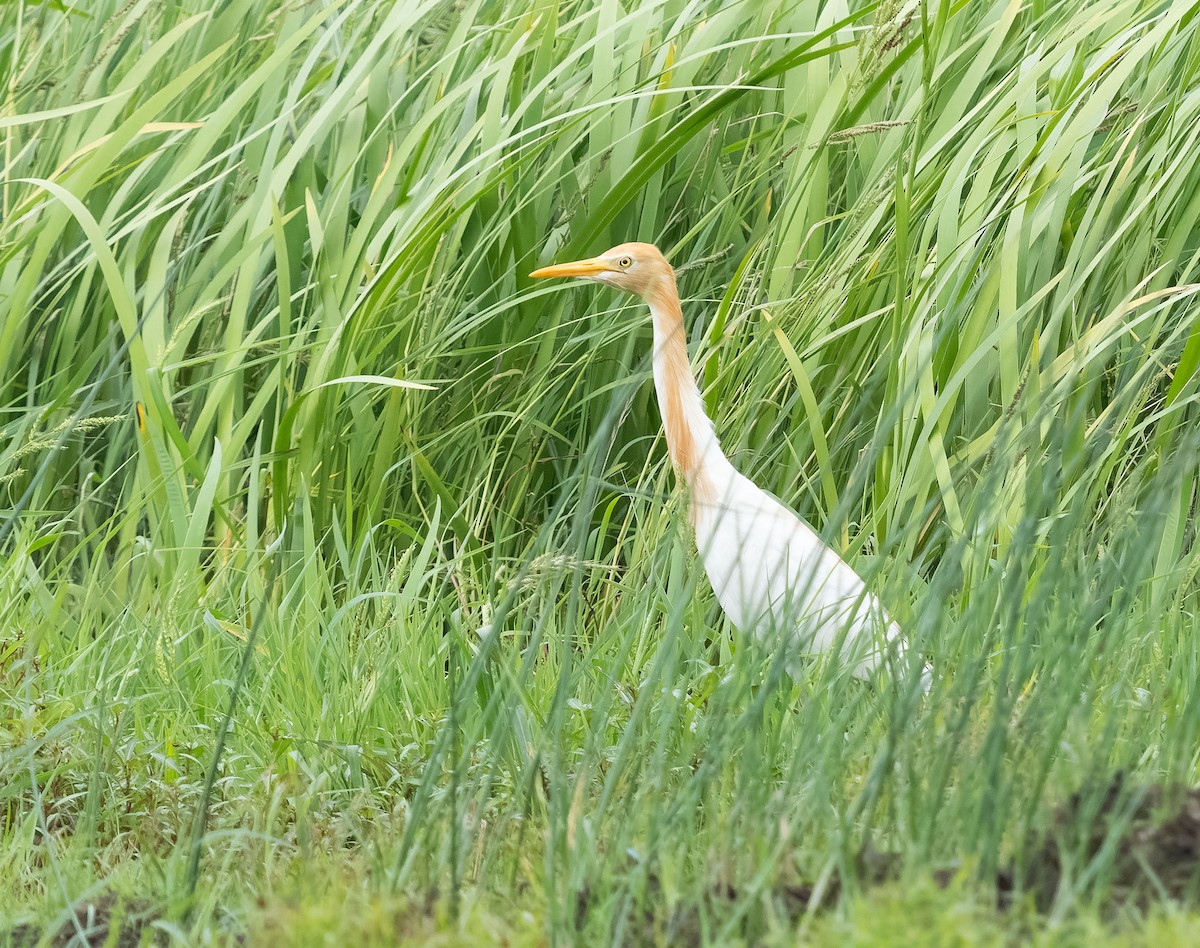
(625, 263)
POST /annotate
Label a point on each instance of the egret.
(770, 571)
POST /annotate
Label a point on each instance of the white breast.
(775, 579)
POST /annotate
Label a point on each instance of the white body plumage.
(775, 579)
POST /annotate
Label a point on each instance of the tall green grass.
(344, 574)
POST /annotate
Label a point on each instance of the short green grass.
(294, 648)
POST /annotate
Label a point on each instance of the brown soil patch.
(1151, 831)
(100, 919)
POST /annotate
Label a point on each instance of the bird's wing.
(775, 578)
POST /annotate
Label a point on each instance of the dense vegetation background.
(294, 648)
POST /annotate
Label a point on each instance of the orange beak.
(578, 268)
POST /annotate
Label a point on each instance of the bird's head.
(633, 267)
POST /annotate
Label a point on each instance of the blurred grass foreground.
(346, 593)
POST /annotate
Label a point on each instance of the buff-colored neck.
(695, 452)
